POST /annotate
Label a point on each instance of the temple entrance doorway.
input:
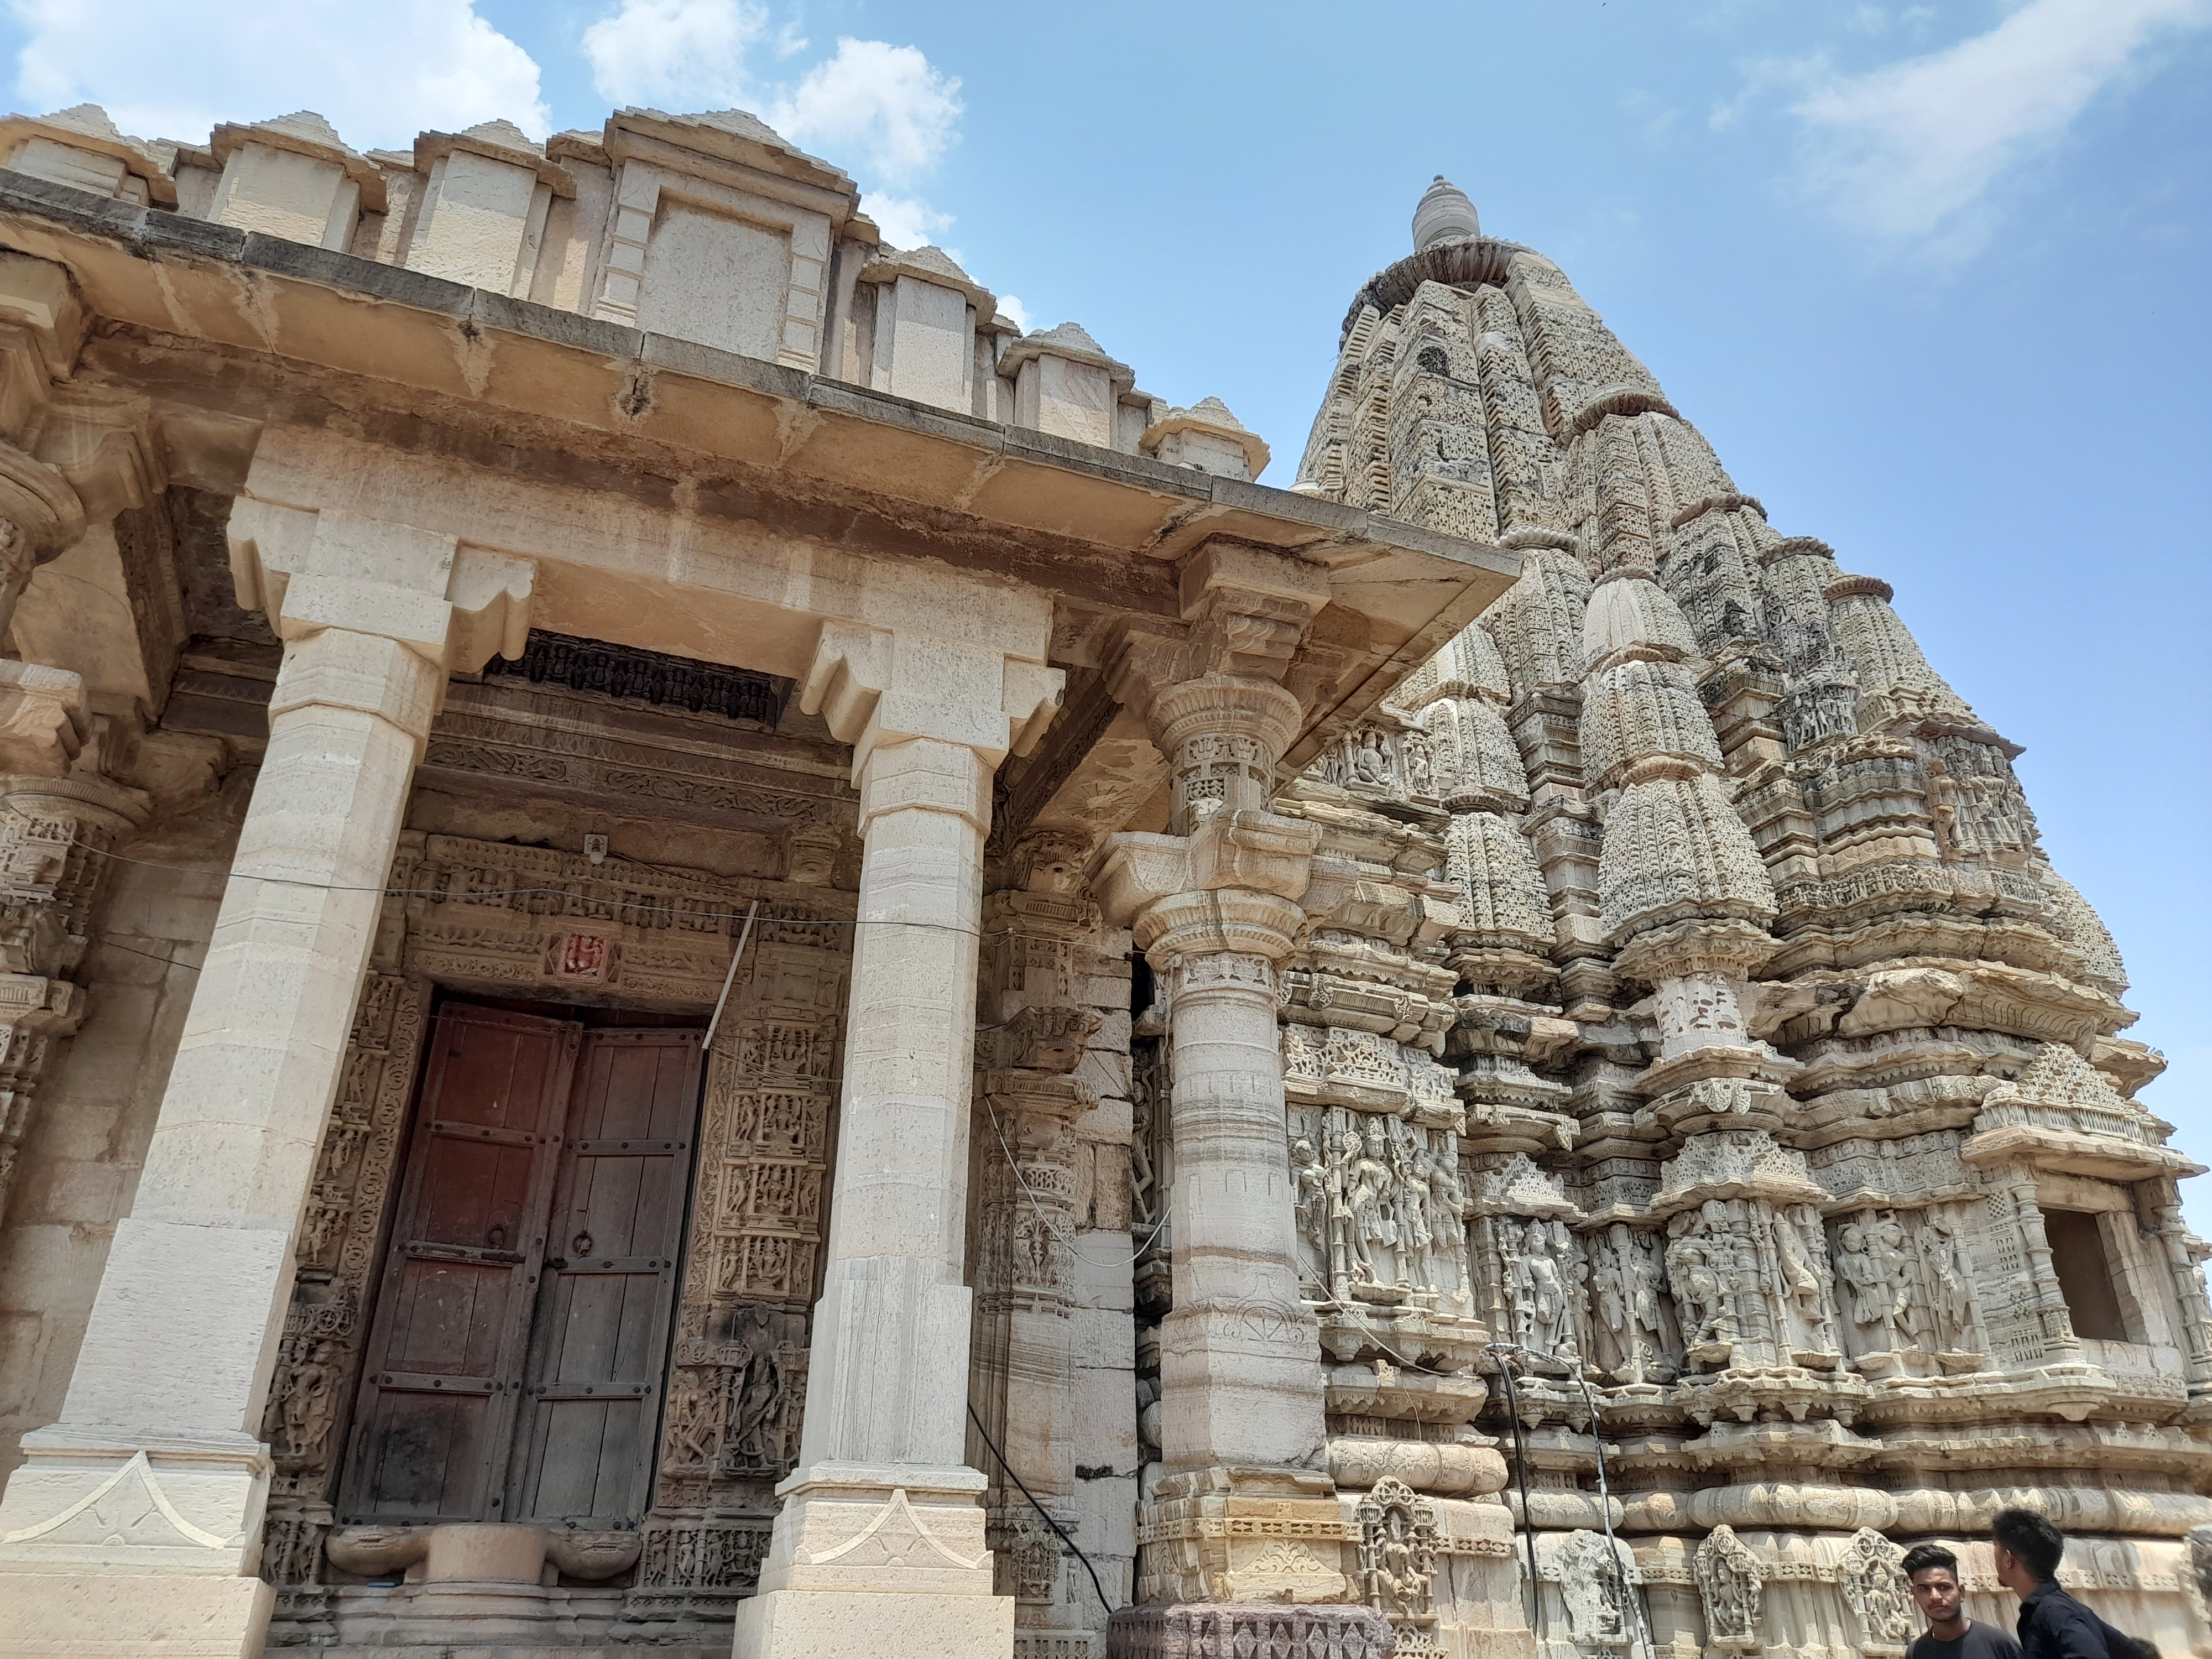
(517, 1357)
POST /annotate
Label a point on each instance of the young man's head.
(2028, 1548)
(1932, 1572)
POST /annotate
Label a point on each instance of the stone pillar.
(1245, 1513)
(139, 1514)
(1026, 1297)
(2054, 1321)
(2183, 1253)
(52, 834)
(880, 1544)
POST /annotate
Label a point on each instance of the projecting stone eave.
(1398, 592)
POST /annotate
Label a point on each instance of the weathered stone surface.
(1244, 1036)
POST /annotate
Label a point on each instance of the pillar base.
(1248, 1629)
(820, 1624)
(878, 1558)
(1239, 1535)
(134, 1615)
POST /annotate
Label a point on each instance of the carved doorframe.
(492, 919)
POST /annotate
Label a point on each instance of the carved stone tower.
(1793, 1113)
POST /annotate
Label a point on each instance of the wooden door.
(445, 1360)
(598, 1355)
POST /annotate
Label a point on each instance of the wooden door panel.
(443, 1370)
(427, 1459)
(474, 1194)
(592, 1397)
(448, 1318)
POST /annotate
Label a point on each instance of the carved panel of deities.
(759, 1213)
(319, 1353)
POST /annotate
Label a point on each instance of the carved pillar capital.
(1233, 884)
(46, 718)
(1210, 691)
(1244, 613)
(41, 328)
(52, 833)
(878, 688)
(332, 583)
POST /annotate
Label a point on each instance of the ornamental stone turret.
(1756, 896)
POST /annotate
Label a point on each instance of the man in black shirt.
(1932, 1572)
(2052, 1624)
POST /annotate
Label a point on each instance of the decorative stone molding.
(54, 833)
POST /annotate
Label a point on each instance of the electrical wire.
(115, 944)
(1507, 1353)
(1050, 1225)
(1040, 1508)
(1605, 1507)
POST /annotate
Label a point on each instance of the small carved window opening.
(2081, 1257)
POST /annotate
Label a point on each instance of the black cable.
(1521, 1467)
(114, 944)
(1628, 1591)
(1040, 1508)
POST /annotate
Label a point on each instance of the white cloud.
(677, 55)
(1911, 150)
(886, 107)
(906, 223)
(380, 74)
(1016, 311)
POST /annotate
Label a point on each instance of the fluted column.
(880, 1546)
(139, 1512)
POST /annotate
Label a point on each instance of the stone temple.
(704, 952)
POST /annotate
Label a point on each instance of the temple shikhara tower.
(700, 951)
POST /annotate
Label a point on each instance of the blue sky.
(1931, 276)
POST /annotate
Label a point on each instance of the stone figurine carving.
(1947, 1276)
(1544, 1272)
(1382, 1212)
(1627, 1280)
(1730, 1583)
(1595, 1585)
(1398, 1549)
(1698, 1271)
(1874, 1584)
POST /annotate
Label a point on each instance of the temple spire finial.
(1444, 215)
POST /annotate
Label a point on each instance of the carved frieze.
(1382, 1208)
(629, 675)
